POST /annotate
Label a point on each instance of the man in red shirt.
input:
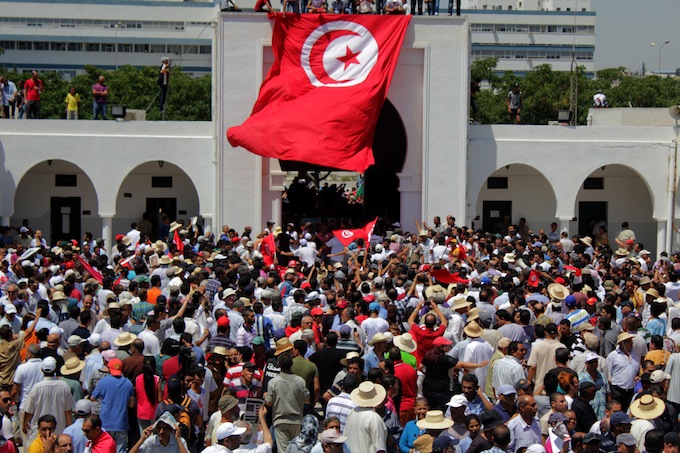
(425, 335)
(33, 88)
(98, 441)
(408, 378)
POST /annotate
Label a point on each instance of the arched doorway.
(152, 190)
(58, 198)
(308, 200)
(616, 194)
(518, 191)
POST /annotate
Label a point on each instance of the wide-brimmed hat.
(160, 246)
(220, 350)
(557, 291)
(509, 258)
(647, 407)
(460, 301)
(125, 339)
(368, 394)
(175, 226)
(472, 314)
(431, 290)
(283, 345)
(126, 241)
(645, 280)
(587, 241)
(434, 420)
(652, 292)
(405, 342)
(621, 252)
(72, 366)
(623, 336)
(349, 356)
(473, 330)
(164, 260)
(377, 338)
(423, 233)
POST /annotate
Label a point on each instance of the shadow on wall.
(7, 187)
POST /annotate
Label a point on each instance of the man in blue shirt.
(75, 430)
(117, 394)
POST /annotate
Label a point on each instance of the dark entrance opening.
(380, 188)
(65, 218)
(591, 213)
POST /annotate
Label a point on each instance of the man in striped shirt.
(340, 406)
(246, 333)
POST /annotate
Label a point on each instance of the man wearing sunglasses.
(99, 441)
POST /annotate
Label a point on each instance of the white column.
(4, 220)
(661, 236)
(107, 223)
(410, 195)
(207, 224)
(564, 222)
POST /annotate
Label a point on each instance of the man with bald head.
(524, 428)
(53, 341)
(11, 294)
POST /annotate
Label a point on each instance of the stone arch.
(524, 189)
(58, 197)
(151, 185)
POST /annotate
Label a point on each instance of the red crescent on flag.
(317, 53)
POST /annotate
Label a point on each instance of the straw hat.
(652, 292)
(283, 345)
(125, 339)
(405, 342)
(369, 394)
(160, 246)
(175, 226)
(350, 355)
(434, 420)
(165, 260)
(431, 290)
(621, 252)
(623, 336)
(473, 314)
(557, 291)
(423, 233)
(377, 338)
(473, 330)
(72, 366)
(509, 258)
(460, 301)
(647, 407)
(220, 350)
(587, 241)
(126, 241)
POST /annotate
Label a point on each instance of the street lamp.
(660, 47)
(115, 41)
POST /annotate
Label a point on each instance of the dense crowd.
(445, 339)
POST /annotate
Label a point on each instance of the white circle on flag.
(347, 234)
(343, 59)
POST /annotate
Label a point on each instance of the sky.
(625, 28)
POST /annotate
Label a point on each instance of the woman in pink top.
(148, 393)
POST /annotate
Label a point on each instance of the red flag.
(321, 100)
(444, 276)
(268, 249)
(349, 236)
(127, 263)
(576, 270)
(534, 278)
(93, 272)
(178, 242)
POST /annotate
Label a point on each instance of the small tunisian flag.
(349, 236)
(268, 249)
(178, 242)
(321, 100)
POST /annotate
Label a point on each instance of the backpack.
(183, 417)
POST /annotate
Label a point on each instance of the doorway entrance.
(493, 212)
(591, 213)
(65, 219)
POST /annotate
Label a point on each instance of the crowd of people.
(444, 339)
(416, 7)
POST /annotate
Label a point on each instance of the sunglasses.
(7, 400)
(87, 431)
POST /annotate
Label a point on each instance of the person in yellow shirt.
(72, 102)
(45, 440)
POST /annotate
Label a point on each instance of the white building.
(66, 35)
(70, 177)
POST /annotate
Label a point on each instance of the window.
(157, 48)
(161, 182)
(74, 46)
(124, 47)
(58, 46)
(8, 45)
(108, 47)
(141, 47)
(593, 184)
(92, 47)
(497, 183)
(204, 49)
(24, 45)
(174, 48)
(66, 180)
(41, 45)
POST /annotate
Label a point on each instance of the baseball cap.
(115, 367)
(83, 407)
(522, 384)
(258, 341)
(618, 418)
(592, 437)
(316, 311)
(227, 430)
(557, 417)
(223, 321)
(506, 389)
(442, 442)
(592, 356)
(626, 439)
(374, 306)
(344, 329)
(658, 376)
(441, 341)
(490, 419)
(570, 301)
(49, 364)
(10, 309)
(458, 401)
(75, 340)
(109, 355)
(503, 342)
(551, 328)
(587, 385)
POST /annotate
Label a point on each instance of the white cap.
(458, 401)
(49, 364)
(227, 430)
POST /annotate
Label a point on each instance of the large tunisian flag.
(349, 236)
(321, 100)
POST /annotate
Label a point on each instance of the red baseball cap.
(115, 367)
(441, 341)
(223, 321)
(342, 303)
(591, 301)
(317, 311)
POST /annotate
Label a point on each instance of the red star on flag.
(349, 58)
